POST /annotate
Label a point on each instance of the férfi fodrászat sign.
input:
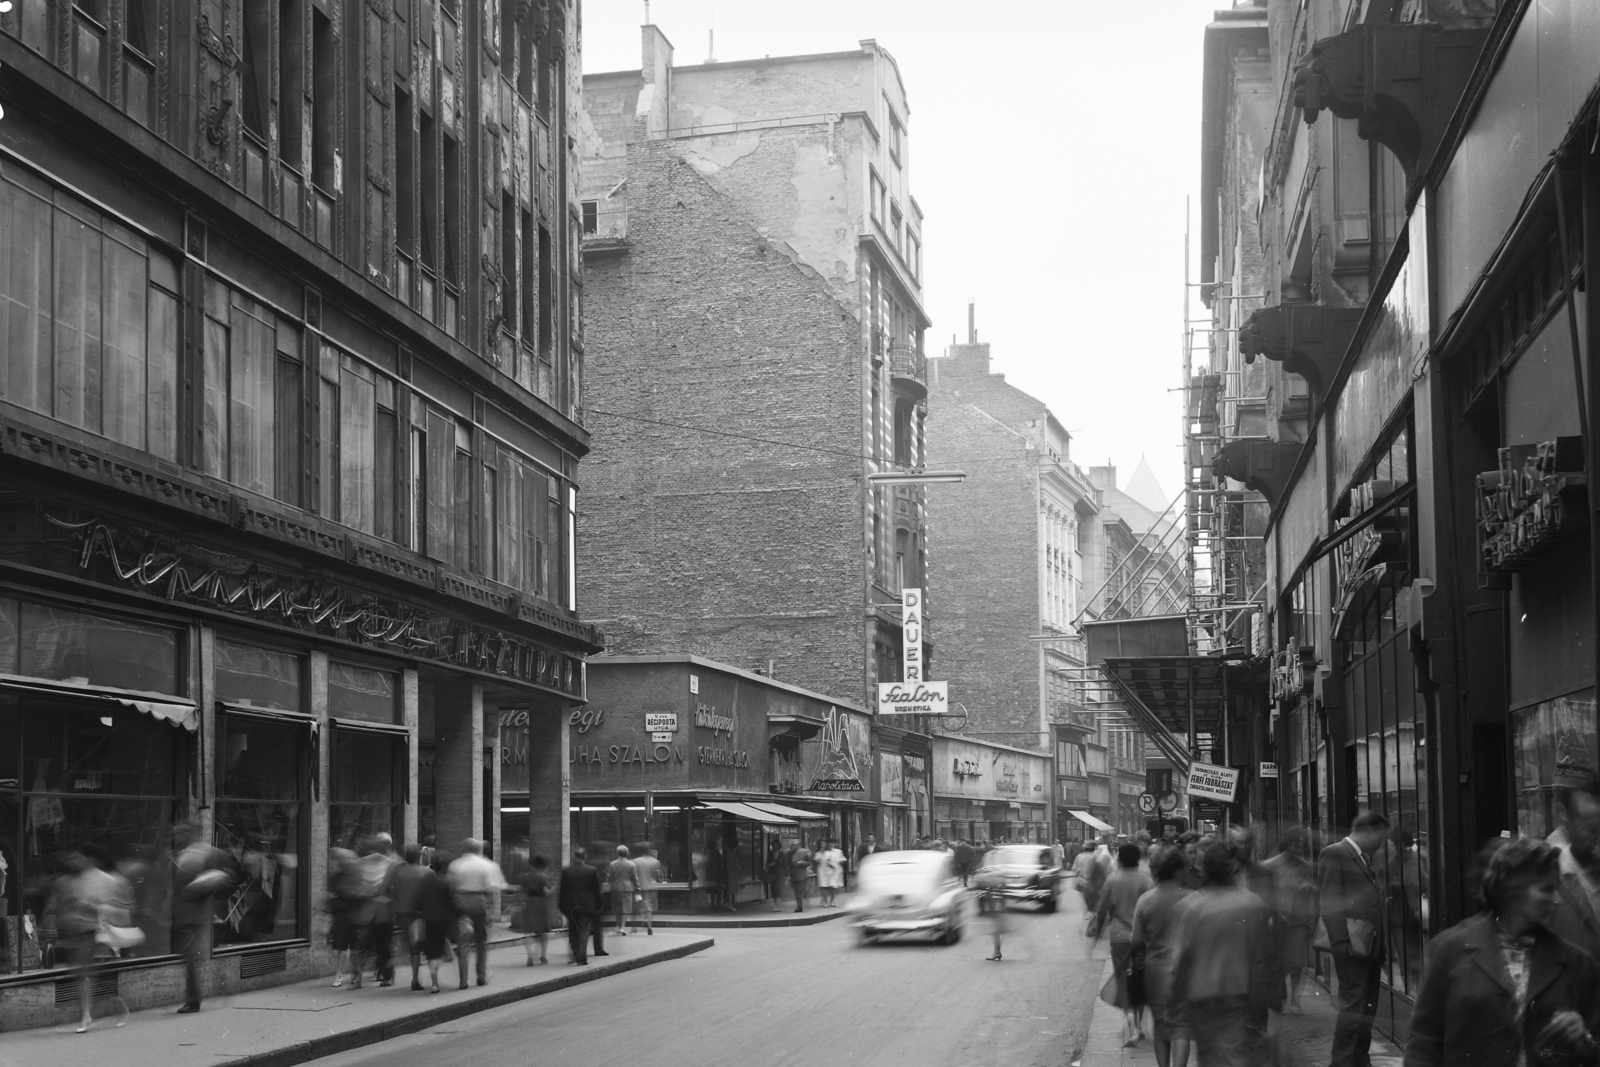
(913, 698)
(1210, 782)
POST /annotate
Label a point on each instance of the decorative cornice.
(1400, 82)
(1308, 339)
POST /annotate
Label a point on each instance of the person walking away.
(623, 878)
(344, 907)
(87, 896)
(404, 880)
(1155, 949)
(534, 918)
(376, 867)
(474, 879)
(1578, 840)
(830, 873)
(199, 873)
(992, 902)
(1114, 917)
(1501, 989)
(651, 875)
(965, 859)
(1224, 976)
(436, 908)
(1351, 903)
(1294, 884)
(1084, 866)
(800, 861)
(578, 898)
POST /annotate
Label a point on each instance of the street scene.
(703, 531)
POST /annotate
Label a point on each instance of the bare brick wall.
(984, 597)
(726, 547)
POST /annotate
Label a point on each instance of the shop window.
(363, 693)
(89, 310)
(263, 766)
(81, 775)
(249, 674)
(45, 641)
(367, 776)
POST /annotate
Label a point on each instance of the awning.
(745, 811)
(1089, 820)
(156, 705)
(787, 812)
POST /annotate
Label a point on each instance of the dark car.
(1022, 872)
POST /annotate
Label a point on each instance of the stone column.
(408, 717)
(458, 762)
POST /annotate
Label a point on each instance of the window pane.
(289, 407)
(253, 358)
(260, 759)
(357, 398)
(125, 338)
(91, 748)
(60, 643)
(78, 252)
(364, 778)
(262, 676)
(25, 291)
(363, 693)
(8, 657)
(214, 427)
(265, 841)
(161, 373)
(385, 449)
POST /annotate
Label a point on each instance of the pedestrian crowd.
(1209, 942)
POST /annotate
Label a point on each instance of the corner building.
(1427, 202)
(290, 420)
(753, 259)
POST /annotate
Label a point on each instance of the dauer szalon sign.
(1210, 782)
(913, 698)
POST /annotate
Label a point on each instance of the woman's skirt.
(1121, 964)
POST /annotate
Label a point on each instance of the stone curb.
(735, 923)
(372, 1033)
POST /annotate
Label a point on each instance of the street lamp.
(915, 477)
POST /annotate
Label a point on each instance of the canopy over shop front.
(787, 812)
(748, 811)
(157, 705)
(1090, 821)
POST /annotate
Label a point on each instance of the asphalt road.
(800, 995)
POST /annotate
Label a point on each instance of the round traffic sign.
(1147, 803)
(1169, 802)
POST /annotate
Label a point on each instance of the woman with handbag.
(92, 908)
(1119, 899)
(532, 917)
(1156, 930)
(1500, 989)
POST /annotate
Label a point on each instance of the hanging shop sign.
(1533, 501)
(1293, 673)
(1210, 782)
(1373, 556)
(841, 750)
(914, 695)
(911, 633)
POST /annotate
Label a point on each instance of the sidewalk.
(1299, 1040)
(292, 1024)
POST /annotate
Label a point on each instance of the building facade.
(290, 425)
(1426, 363)
(753, 262)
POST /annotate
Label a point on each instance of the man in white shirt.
(472, 878)
(1578, 919)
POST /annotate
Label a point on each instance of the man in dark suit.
(579, 901)
(1578, 838)
(1352, 911)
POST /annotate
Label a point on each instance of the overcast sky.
(1053, 144)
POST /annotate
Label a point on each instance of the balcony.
(908, 370)
(605, 226)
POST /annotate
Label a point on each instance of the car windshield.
(1019, 857)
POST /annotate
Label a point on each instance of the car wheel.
(956, 930)
(864, 938)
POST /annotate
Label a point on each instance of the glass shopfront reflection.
(260, 821)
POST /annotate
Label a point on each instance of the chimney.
(655, 76)
(972, 321)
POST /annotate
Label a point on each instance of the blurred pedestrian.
(1351, 903)
(474, 881)
(89, 901)
(800, 868)
(1155, 952)
(1194, 875)
(830, 873)
(623, 877)
(1090, 878)
(1114, 916)
(1224, 976)
(346, 908)
(534, 920)
(199, 873)
(992, 902)
(1501, 989)
(1294, 881)
(579, 901)
(966, 859)
(1578, 919)
(405, 880)
(436, 906)
(716, 872)
(651, 875)
(865, 849)
(377, 862)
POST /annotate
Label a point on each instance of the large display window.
(264, 766)
(368, 777)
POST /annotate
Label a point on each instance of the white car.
(917, 893)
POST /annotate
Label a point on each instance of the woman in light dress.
(830, 873)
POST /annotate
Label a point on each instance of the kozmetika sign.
(1210, 782)
(913, 698)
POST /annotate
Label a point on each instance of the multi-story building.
(289, 428)
(1027, 543)
(753, 282)
(1404, 208)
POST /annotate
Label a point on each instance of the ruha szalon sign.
(914, 695)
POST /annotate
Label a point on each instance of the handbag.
(1319, 940)
(1363, 937)
(119, 937)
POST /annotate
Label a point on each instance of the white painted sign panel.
(661, 721)
(911, 634)
(1269, 770)
(1210, 782)
(913, 698)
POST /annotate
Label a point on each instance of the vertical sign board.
(911, 634)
